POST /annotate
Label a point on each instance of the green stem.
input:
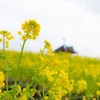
(43, 89)
(69, 96)
(3, 46)
(34, 80)
(97, 97)
(38, 74)
(43, 50)
(6, 75)
(35, 75)
(18, 66)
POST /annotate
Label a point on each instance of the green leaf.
(27, 86)
(7, 70)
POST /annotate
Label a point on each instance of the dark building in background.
(65, 48)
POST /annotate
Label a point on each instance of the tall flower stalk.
(18, 66)
(6, 75)
(6, 37)
(31, 31)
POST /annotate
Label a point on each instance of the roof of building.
(65, 48)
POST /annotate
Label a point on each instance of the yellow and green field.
(49, 76)
(78, 76)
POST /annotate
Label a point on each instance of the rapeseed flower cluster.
(24, 96)
(31, 30)
(2, 78)
(82, 85)
(82, 69)
(94, 69)
(19, 89)
(48, 46)
(7, 36)
(49, 74)
(60, 86)
(49, 51)
(58, 79)
(2, 84)
(98, 91)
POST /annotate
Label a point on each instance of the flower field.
(49, 76)
(81, 75)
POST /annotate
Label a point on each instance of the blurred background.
(72, 22)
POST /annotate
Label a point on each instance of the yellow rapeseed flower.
(6, 35)
(19, 32)
(31, 28)
(2, 77)
(82, 85)
(24, 37)
(98, 83)
(7, 46)
(94, 99)
(0, 40)
(12, 37)
(7, 42)
(19, 89)
(98, 93)
(9, 33)
(84, 98)
(45, 41)
(46, 97)
(41, 50)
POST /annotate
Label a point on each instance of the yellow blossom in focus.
(31, 28)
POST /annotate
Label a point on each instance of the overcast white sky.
(78, 21)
